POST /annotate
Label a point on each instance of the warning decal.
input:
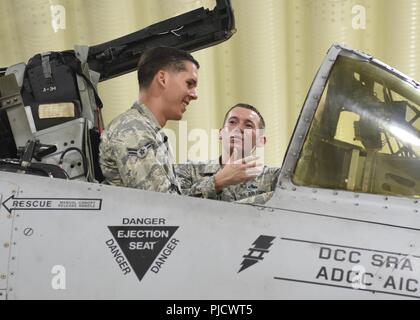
(60, 204)
(256, 253)
(142, 244)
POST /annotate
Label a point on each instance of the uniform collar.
(145, 111)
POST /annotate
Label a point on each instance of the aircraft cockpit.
(365, 133)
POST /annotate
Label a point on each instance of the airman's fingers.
(250, 158)
(250, 164)
(252, 172)
(233, 157)
(246, 160)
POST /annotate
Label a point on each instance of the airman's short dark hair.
(161, 58)
(246, 106)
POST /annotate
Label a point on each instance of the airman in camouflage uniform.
(198, 180)
(235, 176)
(134, 152)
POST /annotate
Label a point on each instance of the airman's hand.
(237, 171)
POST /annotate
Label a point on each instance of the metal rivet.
(271, 209)
(314, 191)
(6, 245)
(2, 276)
(356, 196)
(335, 193)
(385, 207)
(293, 189)
(28, 232)
(386, 198)
(356, 204)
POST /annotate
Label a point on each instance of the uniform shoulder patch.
(140, 152)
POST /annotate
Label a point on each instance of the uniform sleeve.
(267, 184)
(257, 199)
(273, 176)
(140, 171)
(193, 184)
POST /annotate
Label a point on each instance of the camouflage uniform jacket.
(134, 152)
(197, 180)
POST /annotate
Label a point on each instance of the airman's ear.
(161, 77)
(261, 141)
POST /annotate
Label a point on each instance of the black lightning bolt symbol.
(256, 253)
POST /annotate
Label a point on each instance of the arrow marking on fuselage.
(13, 203)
